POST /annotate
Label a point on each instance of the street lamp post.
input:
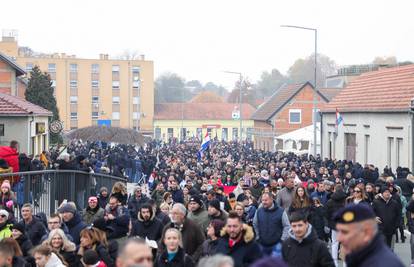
(315, 92)
(240, 102)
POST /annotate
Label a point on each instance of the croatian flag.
(204, 146)
(339, 119)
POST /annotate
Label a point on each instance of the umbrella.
(107, 134)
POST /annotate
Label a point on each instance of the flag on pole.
(338, 120)
(204, 146)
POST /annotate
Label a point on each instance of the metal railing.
(48, 188)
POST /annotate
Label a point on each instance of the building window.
(95, 68)
(1, 129)
(53, 83)
(170, 133)
(399, 151)
(249, 134)
(95, 99)
(73, 84)
(235, 133)
(116, 115)
(157, 133)
(115, 68)
(73, 99)
(295, 116)
(51, 67)
(73, 67)
(390, 149)
(224, 134)
(115, 84)
(73, 115)
(115, 100)
(199, 133)
(135, 100)
(135, 84)
(366, 148)
(135, 115)
(29, 67)
(95, 84)
(95, 115)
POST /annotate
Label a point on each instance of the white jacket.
(54, 261)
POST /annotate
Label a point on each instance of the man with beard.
(238, 242)
(197, 213)
(73, 221)
(147, 225)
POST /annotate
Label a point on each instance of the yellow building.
(188, 120)
(95, 91)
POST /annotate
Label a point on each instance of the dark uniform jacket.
(376, 254)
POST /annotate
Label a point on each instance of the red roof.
(14, 105)
(384, 90)
(200, 111)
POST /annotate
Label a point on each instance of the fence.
(47, 189)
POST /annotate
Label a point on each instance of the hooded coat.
(244, 252)
(310, 251)
(11, 156)
(135, 204)
(151, 229)
(75, 226)
(334, 204)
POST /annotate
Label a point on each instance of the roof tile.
(14, 105)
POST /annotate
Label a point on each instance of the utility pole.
(315, 92)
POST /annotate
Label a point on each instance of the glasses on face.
(3, 216)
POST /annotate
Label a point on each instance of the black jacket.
(26, 246)
(181, 259)
(35, 230)
(70, 258)
(244, 252)
(376, 254)
(151, 229)
(75, 226)
(390, 214)
(336, 202)
(311, 252)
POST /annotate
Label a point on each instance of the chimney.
(101, 56)
(63, 55)
(142, 57)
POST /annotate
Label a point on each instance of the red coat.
(11, 156)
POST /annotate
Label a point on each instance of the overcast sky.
(200, 39)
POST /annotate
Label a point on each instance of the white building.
(378, 120)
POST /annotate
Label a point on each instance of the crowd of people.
(259, 208)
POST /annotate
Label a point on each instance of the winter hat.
(20, 227)
(384, 188)
(196, 199)
(90, 257)
(6, 184)
(67, 208)
(103, 188)
(5, 213)
(217, 225)
(215, 203)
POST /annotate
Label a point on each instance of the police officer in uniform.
(358, 234)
